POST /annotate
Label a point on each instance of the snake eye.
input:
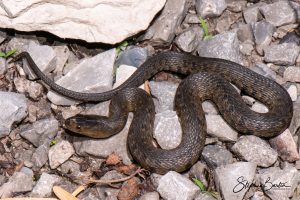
(78, 127)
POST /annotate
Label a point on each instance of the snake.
(206, 79)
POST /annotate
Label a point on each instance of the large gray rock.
(279, 184)
(225, 45)
(133, 57)
(167, 129)
(216, 155)
(228, 179)
(255, 150)
(164, 91)
(59, 153)
(43, 187)
(162, 31)
(292, 74)
(40, 156)
(123, 73)
(104, 147)
(174, 186)
(18, 182)
(39, 131)
(216, 126)
(252, 14)
(14, 108)
(285, 146)
(263, 32)
(282, 54)
(295, 123)
(189, 39)
(90, 75)
(93, 21)
(279, 13)
(210, 8)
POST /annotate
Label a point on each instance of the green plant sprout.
(204, 25)
(120, 46)
(203, 189)
(8, 54)
(52, 143)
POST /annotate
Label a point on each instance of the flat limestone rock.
(90, 20)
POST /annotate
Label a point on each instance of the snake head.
(89, 125)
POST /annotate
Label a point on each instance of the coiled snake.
(209, 80)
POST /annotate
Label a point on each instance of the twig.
(138, 171)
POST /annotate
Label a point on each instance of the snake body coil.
(210, 80)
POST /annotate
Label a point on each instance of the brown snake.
(210, 80)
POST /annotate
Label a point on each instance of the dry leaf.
(129, 190)
(113, 159)
(127, 169)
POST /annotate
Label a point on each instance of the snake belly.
(210, 80)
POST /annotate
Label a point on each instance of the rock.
(279, 13)
(255, 150)
(167, 129)
(164, 91)
(104, 147)
(216, 155)
(226, 20)
(285, 146)
(264, 70)
(17, 183)
(296, 7)
(14, 108)
(252, 14)
(209, 108)
(59, 153)
(101, 108)
(216, 126)
(191, 18)
(259, 107)
(33, 89)
(292, 74)
(284, 30)
(189, 39)
(150, 196)
(204, 196)
(27, 171)
(40, 156)
(62, 54)
(43, 187)
(2, 180)
(263, 32)
(43, 56)
(162, 31)
(39, 131)
(292, 90)
(90, 75)
(86, 20)
(295, 123)
(20, 43)
(175, 186)
(210, 8)
(227, 179)
(224, 45)
(235, 6)
(3, 66)
(123, 73)
(3, 36)
(245, 33)
(246, 48)
(282, 54)
(290, 37)
(271, 179)
(70, 167)
(133, 57)
(258, 195)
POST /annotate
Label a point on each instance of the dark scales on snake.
(210, 80)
